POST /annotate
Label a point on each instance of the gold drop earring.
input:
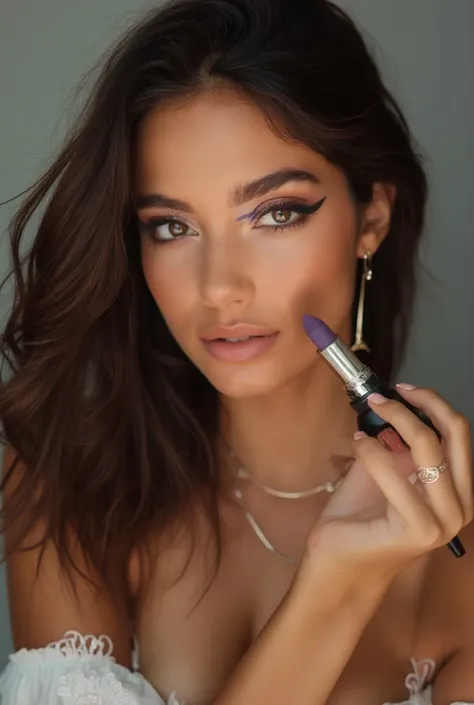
(359, 342)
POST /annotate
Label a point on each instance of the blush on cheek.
(326, 289)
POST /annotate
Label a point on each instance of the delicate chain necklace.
(243, 473)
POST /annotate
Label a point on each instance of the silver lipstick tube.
(353, 373)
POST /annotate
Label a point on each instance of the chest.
(193, 634)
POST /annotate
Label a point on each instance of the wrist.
(338, 582)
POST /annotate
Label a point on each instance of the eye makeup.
(283, 204)
(303, 211)
(150, 227)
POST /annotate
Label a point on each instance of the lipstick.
(360, 382)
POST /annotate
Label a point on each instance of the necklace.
(258, 531)
(243, 473)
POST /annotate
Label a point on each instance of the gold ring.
(431, 474)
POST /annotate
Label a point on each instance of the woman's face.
(236, 252)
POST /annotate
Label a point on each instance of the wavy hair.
(114, 426)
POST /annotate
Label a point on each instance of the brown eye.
(281, 216)
(177, 229)
(167, 229)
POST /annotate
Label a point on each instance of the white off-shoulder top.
(80, 670)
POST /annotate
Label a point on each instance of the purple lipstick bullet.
(319, 332)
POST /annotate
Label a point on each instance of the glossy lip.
(236, 330)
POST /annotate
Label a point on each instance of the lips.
(240, 342)
(236, 332)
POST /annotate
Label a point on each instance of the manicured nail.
(406, 387)
(359, 434)
(377, 398)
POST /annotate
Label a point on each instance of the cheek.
(169, 287)
(328, 279)
(318, 276)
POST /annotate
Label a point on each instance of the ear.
(375, 218)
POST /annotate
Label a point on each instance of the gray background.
(426, 51)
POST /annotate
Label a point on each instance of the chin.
(248, 379)
(243, 389)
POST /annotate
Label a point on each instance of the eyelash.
(303, 210)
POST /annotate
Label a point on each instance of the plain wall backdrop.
(426, 51)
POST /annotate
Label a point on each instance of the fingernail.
(377, 398)
(406, 387)
(359, 434)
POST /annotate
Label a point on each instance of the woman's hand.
(380, 518)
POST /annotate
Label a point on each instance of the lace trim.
(423, 672)
(98, 689)
(73, 644)
(76, 644)
(95, 689)
(94, 684)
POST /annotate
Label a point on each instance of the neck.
(291, 439)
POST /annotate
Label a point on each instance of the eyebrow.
(240, 194)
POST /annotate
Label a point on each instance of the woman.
(238, 166)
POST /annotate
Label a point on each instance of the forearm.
(304, 648)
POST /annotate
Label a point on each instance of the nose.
(225, 278)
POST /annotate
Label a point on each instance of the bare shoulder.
(43, 603)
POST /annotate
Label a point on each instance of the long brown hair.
(115, 426)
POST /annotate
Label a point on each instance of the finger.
(411, 505)
(440, 412)
(456, 432)
(426, 452)
(422, 440)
